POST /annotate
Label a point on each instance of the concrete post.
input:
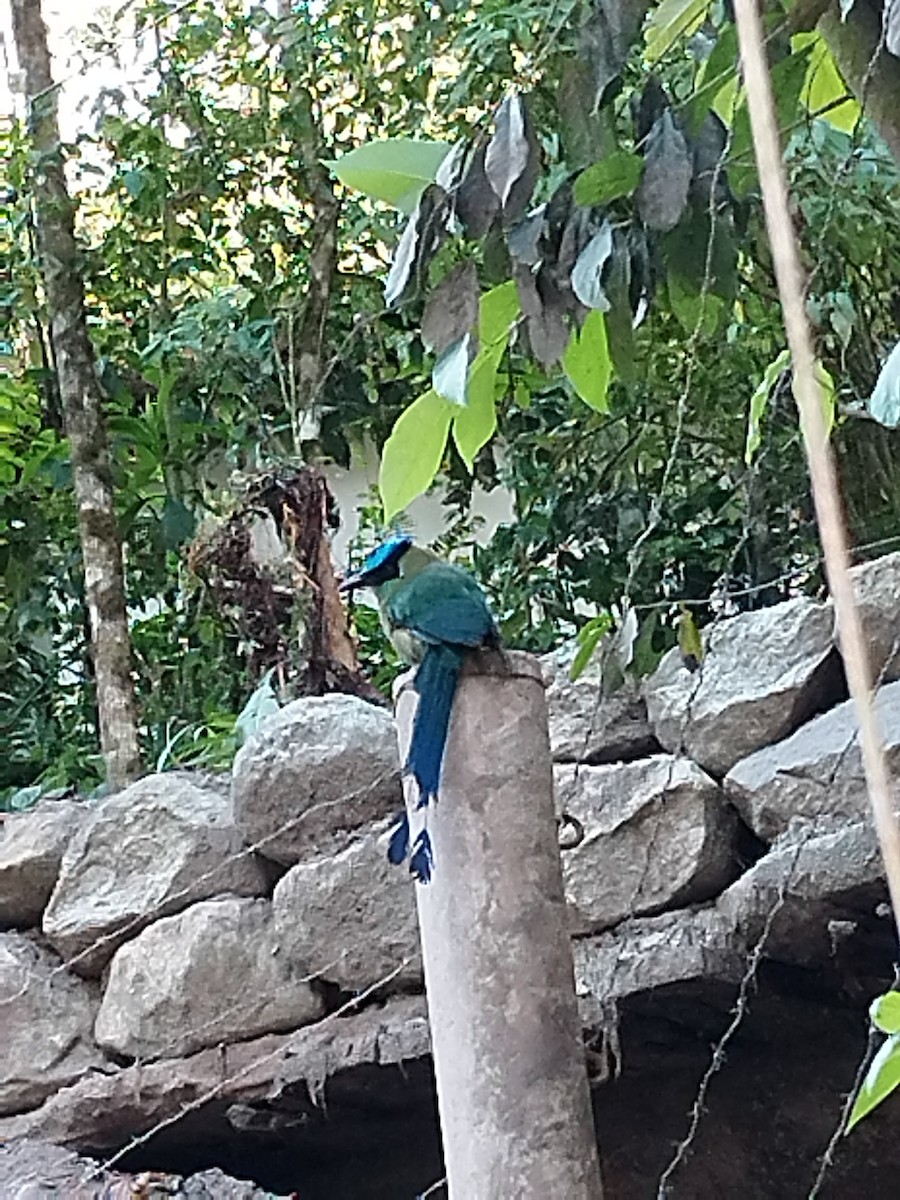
(511, 1079)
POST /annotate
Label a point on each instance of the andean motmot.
(433, 612)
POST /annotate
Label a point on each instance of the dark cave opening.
(373, 1136)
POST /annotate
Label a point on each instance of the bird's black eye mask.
(382, 565)
(374, 578)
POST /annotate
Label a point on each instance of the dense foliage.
(209, 223)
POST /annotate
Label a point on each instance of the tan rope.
(789, 275)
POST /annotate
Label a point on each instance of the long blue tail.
(436, 684)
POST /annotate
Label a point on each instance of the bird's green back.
(433, 602)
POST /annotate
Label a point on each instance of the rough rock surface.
(103, 1110)
(31, 849)
(816, 773)
(225, 979)
(816, 880)
(350, 917)
(586, 726)
(764, 673)
(38, 1170)
(657, 834)
(877, 588)
(46, 1018)
(313, 774)
(805, 895)
(142, 853)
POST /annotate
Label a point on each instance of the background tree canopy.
(514, 244)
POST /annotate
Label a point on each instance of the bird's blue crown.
(389, 551)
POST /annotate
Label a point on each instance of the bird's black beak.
(356, 580)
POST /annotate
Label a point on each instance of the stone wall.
(234, 959)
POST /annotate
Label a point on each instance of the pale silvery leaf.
(507, 153)
(403, 261)
(450, 171)
(522, 240)
(626, 637)
(891, 18)
(589, 267)
(884, 403)
(451, 371)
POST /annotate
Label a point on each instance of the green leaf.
(614, 176)
(881, 1078)
(134, 182)
(884, 1012)
(177, 523)
(587, 364)
(759, 402)
(413, 453)
(691, 306)
(498, 309)
(690, 641)
(716, 80)
(668, 22)
(396, 170)
(474, 426)
(587, 639)
(829, 396)
(823, 83)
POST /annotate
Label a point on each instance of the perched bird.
(433, 612)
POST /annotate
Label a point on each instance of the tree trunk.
(82, 407)
(853, 43)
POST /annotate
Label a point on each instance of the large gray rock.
(211, 974)
(585, 725)
(810, 879)
(103, 1111)
(653, 952)
(143, 853)
(350, 917)
(315, 772)
(876, 585)
(763, 674)
(46, 1017)
(814, 774)
(801, 898)
(38, 1170)
(657, 834)
(31, 850)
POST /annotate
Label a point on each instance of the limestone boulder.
(815, 774)
(213, 973)
(314, 773)
(876, 585)
(104, 1110)
(32, 1169)
(812, 887)
(654, 952)
(143, 853)
(350, 917)
(31, 850)
(764, 673)
(586, 726)
(811, 891)
(47, 1018)
(657, 834)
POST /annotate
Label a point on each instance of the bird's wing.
(442, 604)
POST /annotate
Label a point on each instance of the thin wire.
(789, 276)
